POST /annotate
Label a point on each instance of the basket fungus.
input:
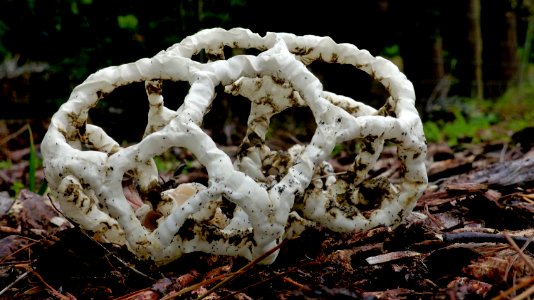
(85, 167)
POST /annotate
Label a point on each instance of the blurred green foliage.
(34, 163)
(5, 164)
(128, 22)
(485, 120)
(462, 128)
(516, 107)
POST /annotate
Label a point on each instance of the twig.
(508, 292)
(523, 283)
(390, 256)
(193, 287)
(519, 251)
(526, 293)
(129, 296)
(117, 258)
(258, 283)
(516, 257)
(14, 282)
(3, 259)
(18, 262)
(50, 288)
(9, 230)
(503, 152)
(480, 237)
(434, 219)
(331, 174)
(14, 134)
(297, 284)
(291, 270)
(242, 270)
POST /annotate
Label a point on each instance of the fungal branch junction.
(86, 168)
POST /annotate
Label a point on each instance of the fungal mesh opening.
(349, 159)
(127, 106)
(388, 164)
(349, 81)
(231, 52)
(343, 155)
(354, 155)
(140, 201)
(204, 56)
(124, 105)
(226, 121)
(174, 93)
(178, 165)
(295, 125)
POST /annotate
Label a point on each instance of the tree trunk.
(470, 57)
(501, 60)
(421, 47)
(474, 37)
(525, 56)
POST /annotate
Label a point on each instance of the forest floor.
(470, 237)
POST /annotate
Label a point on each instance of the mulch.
(469, 237)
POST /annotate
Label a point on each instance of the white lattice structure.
(85, 167)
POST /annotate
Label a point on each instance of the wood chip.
(383, 258)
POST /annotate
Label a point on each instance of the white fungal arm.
(276, 194)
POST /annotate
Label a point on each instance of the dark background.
(450, 49)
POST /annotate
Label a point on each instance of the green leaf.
(391, 51)
(17, 187)
(74, 8)
(127, 22)
(43, 188)
(5, 164)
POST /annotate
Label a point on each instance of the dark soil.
(470, 237)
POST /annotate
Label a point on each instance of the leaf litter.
(470, 236)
